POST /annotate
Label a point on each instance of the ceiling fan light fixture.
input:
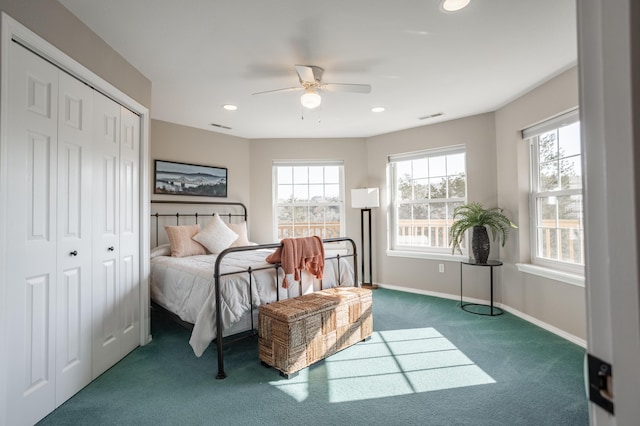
(310, 99)
(454, 5)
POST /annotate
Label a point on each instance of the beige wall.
(477, 134)
(53, 22)
(263, 151)
(173, 142)
(553, 302)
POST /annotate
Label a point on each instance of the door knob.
(73, 253)
(110, 248)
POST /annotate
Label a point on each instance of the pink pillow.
(241, 230)
(182, 244)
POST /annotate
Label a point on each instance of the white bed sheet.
(185, 286)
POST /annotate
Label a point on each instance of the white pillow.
(216, 235)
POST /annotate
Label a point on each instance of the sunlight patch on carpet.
(391, 363)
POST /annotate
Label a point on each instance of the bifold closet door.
(49, 242)
(115, 233)
(129, 230)
(74, 317)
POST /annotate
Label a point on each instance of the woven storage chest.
(295, 333)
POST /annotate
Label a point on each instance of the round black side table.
(489, 264)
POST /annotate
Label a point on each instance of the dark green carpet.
(428, 363)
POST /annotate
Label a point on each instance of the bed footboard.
(217, 275)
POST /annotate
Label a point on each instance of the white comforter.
(185, 286)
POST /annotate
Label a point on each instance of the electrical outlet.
(441, 268)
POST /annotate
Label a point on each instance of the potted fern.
(474, 215)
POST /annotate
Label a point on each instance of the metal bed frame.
(217, 275)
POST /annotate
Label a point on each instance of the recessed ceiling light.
(230, 107)
(454, 5)
(377, 109)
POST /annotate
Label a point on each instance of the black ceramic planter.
(480, 244)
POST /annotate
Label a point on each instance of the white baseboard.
(555, 330)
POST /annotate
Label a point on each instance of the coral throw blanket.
(297, 254)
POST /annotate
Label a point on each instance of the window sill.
(553, 274)
(425, 255)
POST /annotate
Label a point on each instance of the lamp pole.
(366, 284)
(365, 199)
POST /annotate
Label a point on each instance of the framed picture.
(189, 179)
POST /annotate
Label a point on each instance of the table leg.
(491, 269)
(461, 284)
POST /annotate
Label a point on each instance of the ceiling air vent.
(425, 117)
(220, 126)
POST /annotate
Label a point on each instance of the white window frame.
(397, 249)
(307, 163)
(531, 135)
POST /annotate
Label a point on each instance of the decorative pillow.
(241, 230)
(161, 250)
(216, 236)
(182, 244)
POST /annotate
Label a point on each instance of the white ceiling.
(201, 54)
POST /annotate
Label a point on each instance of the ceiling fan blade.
(288, 89)
(309, 73)
(341, 87)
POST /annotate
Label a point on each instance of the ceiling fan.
(310, 77)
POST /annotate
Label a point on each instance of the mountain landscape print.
(190, 179)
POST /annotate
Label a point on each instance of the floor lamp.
(365, 199)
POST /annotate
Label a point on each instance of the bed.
(218, 293)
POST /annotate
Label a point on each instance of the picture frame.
(174, 178)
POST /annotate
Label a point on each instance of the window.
(556, 193)
(426, 187)
(309, 199)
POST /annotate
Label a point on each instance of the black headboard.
(168, 212)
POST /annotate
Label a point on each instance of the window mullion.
(558, 193)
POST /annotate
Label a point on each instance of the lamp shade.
(363, 198)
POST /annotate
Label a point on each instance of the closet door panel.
(129, 308)
(38, 325)
(74, 313)
(107, 327)
(130, 229)
(31, 255)
(107, 330)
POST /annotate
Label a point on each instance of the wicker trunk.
(295, 333)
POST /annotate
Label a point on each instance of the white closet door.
(73, 307)
(107, 328)
(72, 228)
(116, 233)
(129, 230)
(31, 221)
